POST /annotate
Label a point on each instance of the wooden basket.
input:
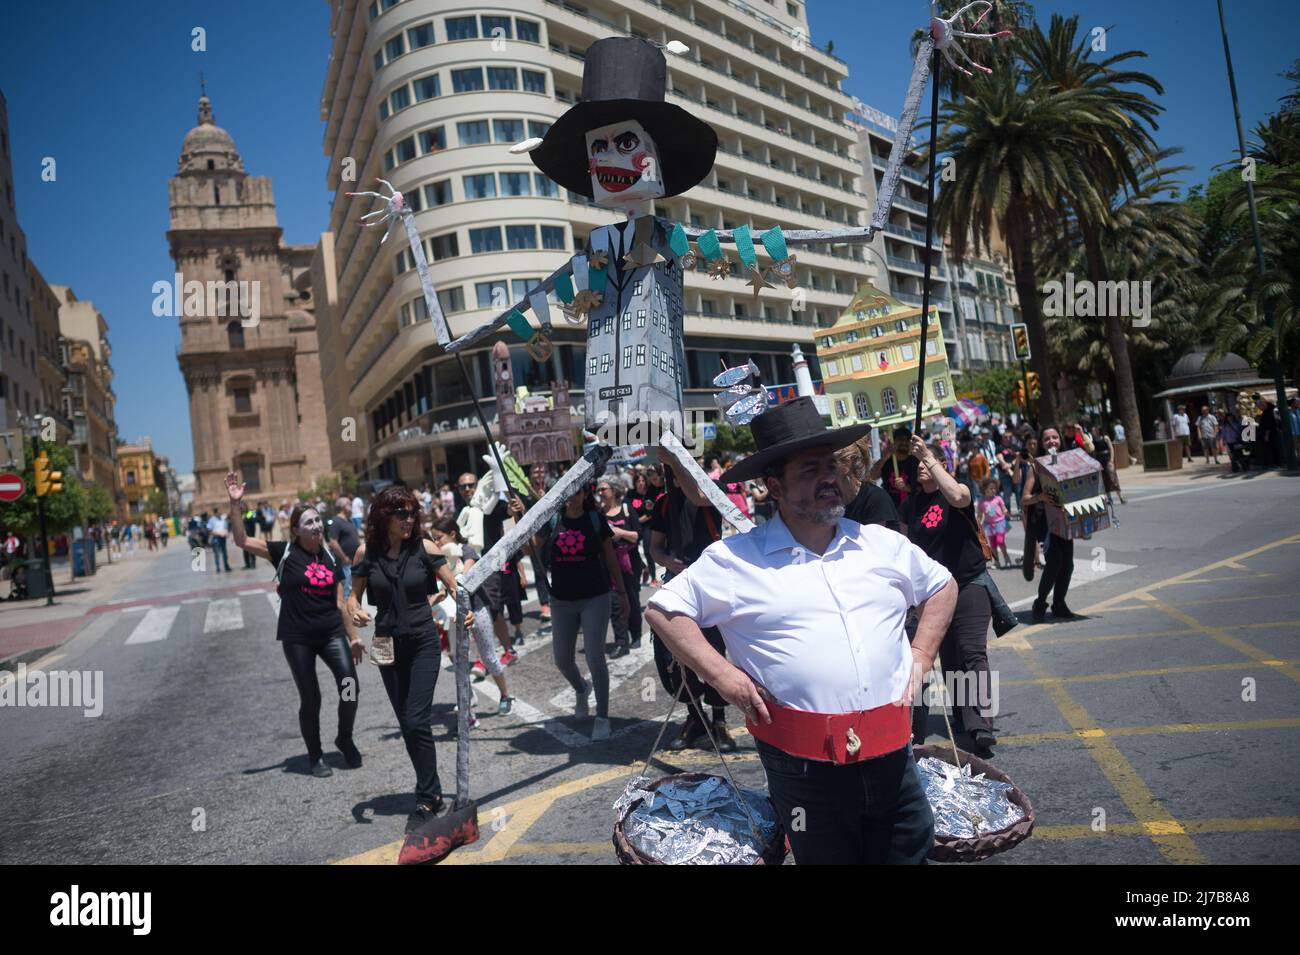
(978, 848)
(628, 854)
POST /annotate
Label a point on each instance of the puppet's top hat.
(624, 78)
(788, 429)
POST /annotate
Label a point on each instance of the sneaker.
(504, 706)
(636, 644)
(478, 671)
(351, 755)
(546, 611)
(320, 770)
(580, 708)
(518, 639)
(600, 730)
(508, 658)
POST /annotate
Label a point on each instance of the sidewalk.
(1191, 473)
(29, 627)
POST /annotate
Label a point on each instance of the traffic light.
(1020, 393)
(1034, 391)
(47, 481)
(1020, 341)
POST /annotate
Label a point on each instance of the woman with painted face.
(312, 622)
(1060, 550)
(402, 570)
(939, 517)
(584, 568)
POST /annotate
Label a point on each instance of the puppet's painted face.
(624, 165)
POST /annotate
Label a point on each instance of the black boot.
(720, 736)
(691, 730)
(351, 755)
(1059, 609)
(1039, 611)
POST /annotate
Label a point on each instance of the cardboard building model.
(535, 429)
(1072, 482)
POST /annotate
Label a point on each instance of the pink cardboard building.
(1072, 482)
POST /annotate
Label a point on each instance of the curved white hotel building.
(430, 95)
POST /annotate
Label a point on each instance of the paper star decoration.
(585, 301)
(758, 279)
(598, 260)
(719, 268)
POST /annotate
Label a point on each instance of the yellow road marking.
(1221, 635)
(1181, 632)
(1235, 578)
(1161, 671)
(1028, 739)
(1197, 826)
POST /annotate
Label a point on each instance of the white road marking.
(274, 599)
(154, 626)
(251, 593)
(1082, 576)
(619, 670)
(224, 615)
(195, 600)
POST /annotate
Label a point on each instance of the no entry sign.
(11, 486)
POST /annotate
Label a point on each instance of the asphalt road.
(1163, 727)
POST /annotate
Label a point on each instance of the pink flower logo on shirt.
(319, 574)
(570, 542)
(933, 516)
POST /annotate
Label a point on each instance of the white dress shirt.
(822, 633)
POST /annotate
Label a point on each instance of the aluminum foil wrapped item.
(964, 806)
(696, 822)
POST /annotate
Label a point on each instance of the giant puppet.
(622, 146)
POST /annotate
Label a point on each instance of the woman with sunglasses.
(402, 570)
(311, 622)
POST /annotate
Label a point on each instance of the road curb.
(35, 653)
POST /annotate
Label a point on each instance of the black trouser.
(649, 557)
(964, 653)
(632, 587)
(514, 589)
(302, 664)
(1056, 575)
(539, 575)
(250, 561)
(410, 680)
(670, 674)
(865, 813)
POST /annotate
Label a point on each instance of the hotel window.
(503, 78)
(940, 389)
(413, 200)
(627, 356)
(605, 363)
(400, 98)
(243, 401)
(427, 87)
(900, 325)
(912, 393)
(627, 319)
(862, 405)
(553, 237)
(514, 184)
(507, 130)
(832, 368)
(486, 293)
(485, 239)
(529, 31)
(467, 81)
(519, 288)
(930, 347)
(827, 342)
(545, 187)
(534, 82)
(481, 186)
(609, 324)
(537, 128)
(908, 352)
(437, 192)
(473, 133)
(654, 357)
(383, 108)
(888, 401)
(379, 60)
(521, 237)
(636, 287)
(640, 354)
(420, 36)
(462, 28)
(591, 366)
(851, 336)
(433, 140)
(492, 24)
(394, 48)
(877, 331)
(640, 318)
(404, 262)
(405, 149)
(593, 329)
(663, 360)
(444, 246)
(856, 361)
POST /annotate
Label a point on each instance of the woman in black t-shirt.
(622, 523)
(403, 570)
(312, 623)
(583, 566)
(940, 519)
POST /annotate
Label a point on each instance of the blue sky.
(109, 91)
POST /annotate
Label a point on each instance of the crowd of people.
(1248, 442)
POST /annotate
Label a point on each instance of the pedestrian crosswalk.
(244, 611)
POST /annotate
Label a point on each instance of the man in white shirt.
(358, 511)
(1207, 427)
(218, 531)
(812, 610)
(1183, 429)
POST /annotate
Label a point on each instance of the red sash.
(836, 737)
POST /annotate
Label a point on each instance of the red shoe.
(508, 658)
(546, 611)
(478, 671)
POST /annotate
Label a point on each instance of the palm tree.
(1112, 145)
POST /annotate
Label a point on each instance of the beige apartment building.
(140, 473)
(88, 399)
(248, 347)
(49, 356)
(431, 95)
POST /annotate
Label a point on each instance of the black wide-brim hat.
(788, 429)
(624, 78)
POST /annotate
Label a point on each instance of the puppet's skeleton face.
(624, 165)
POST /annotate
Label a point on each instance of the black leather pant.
(1059, 569)
(302, 664)
(410, 681)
